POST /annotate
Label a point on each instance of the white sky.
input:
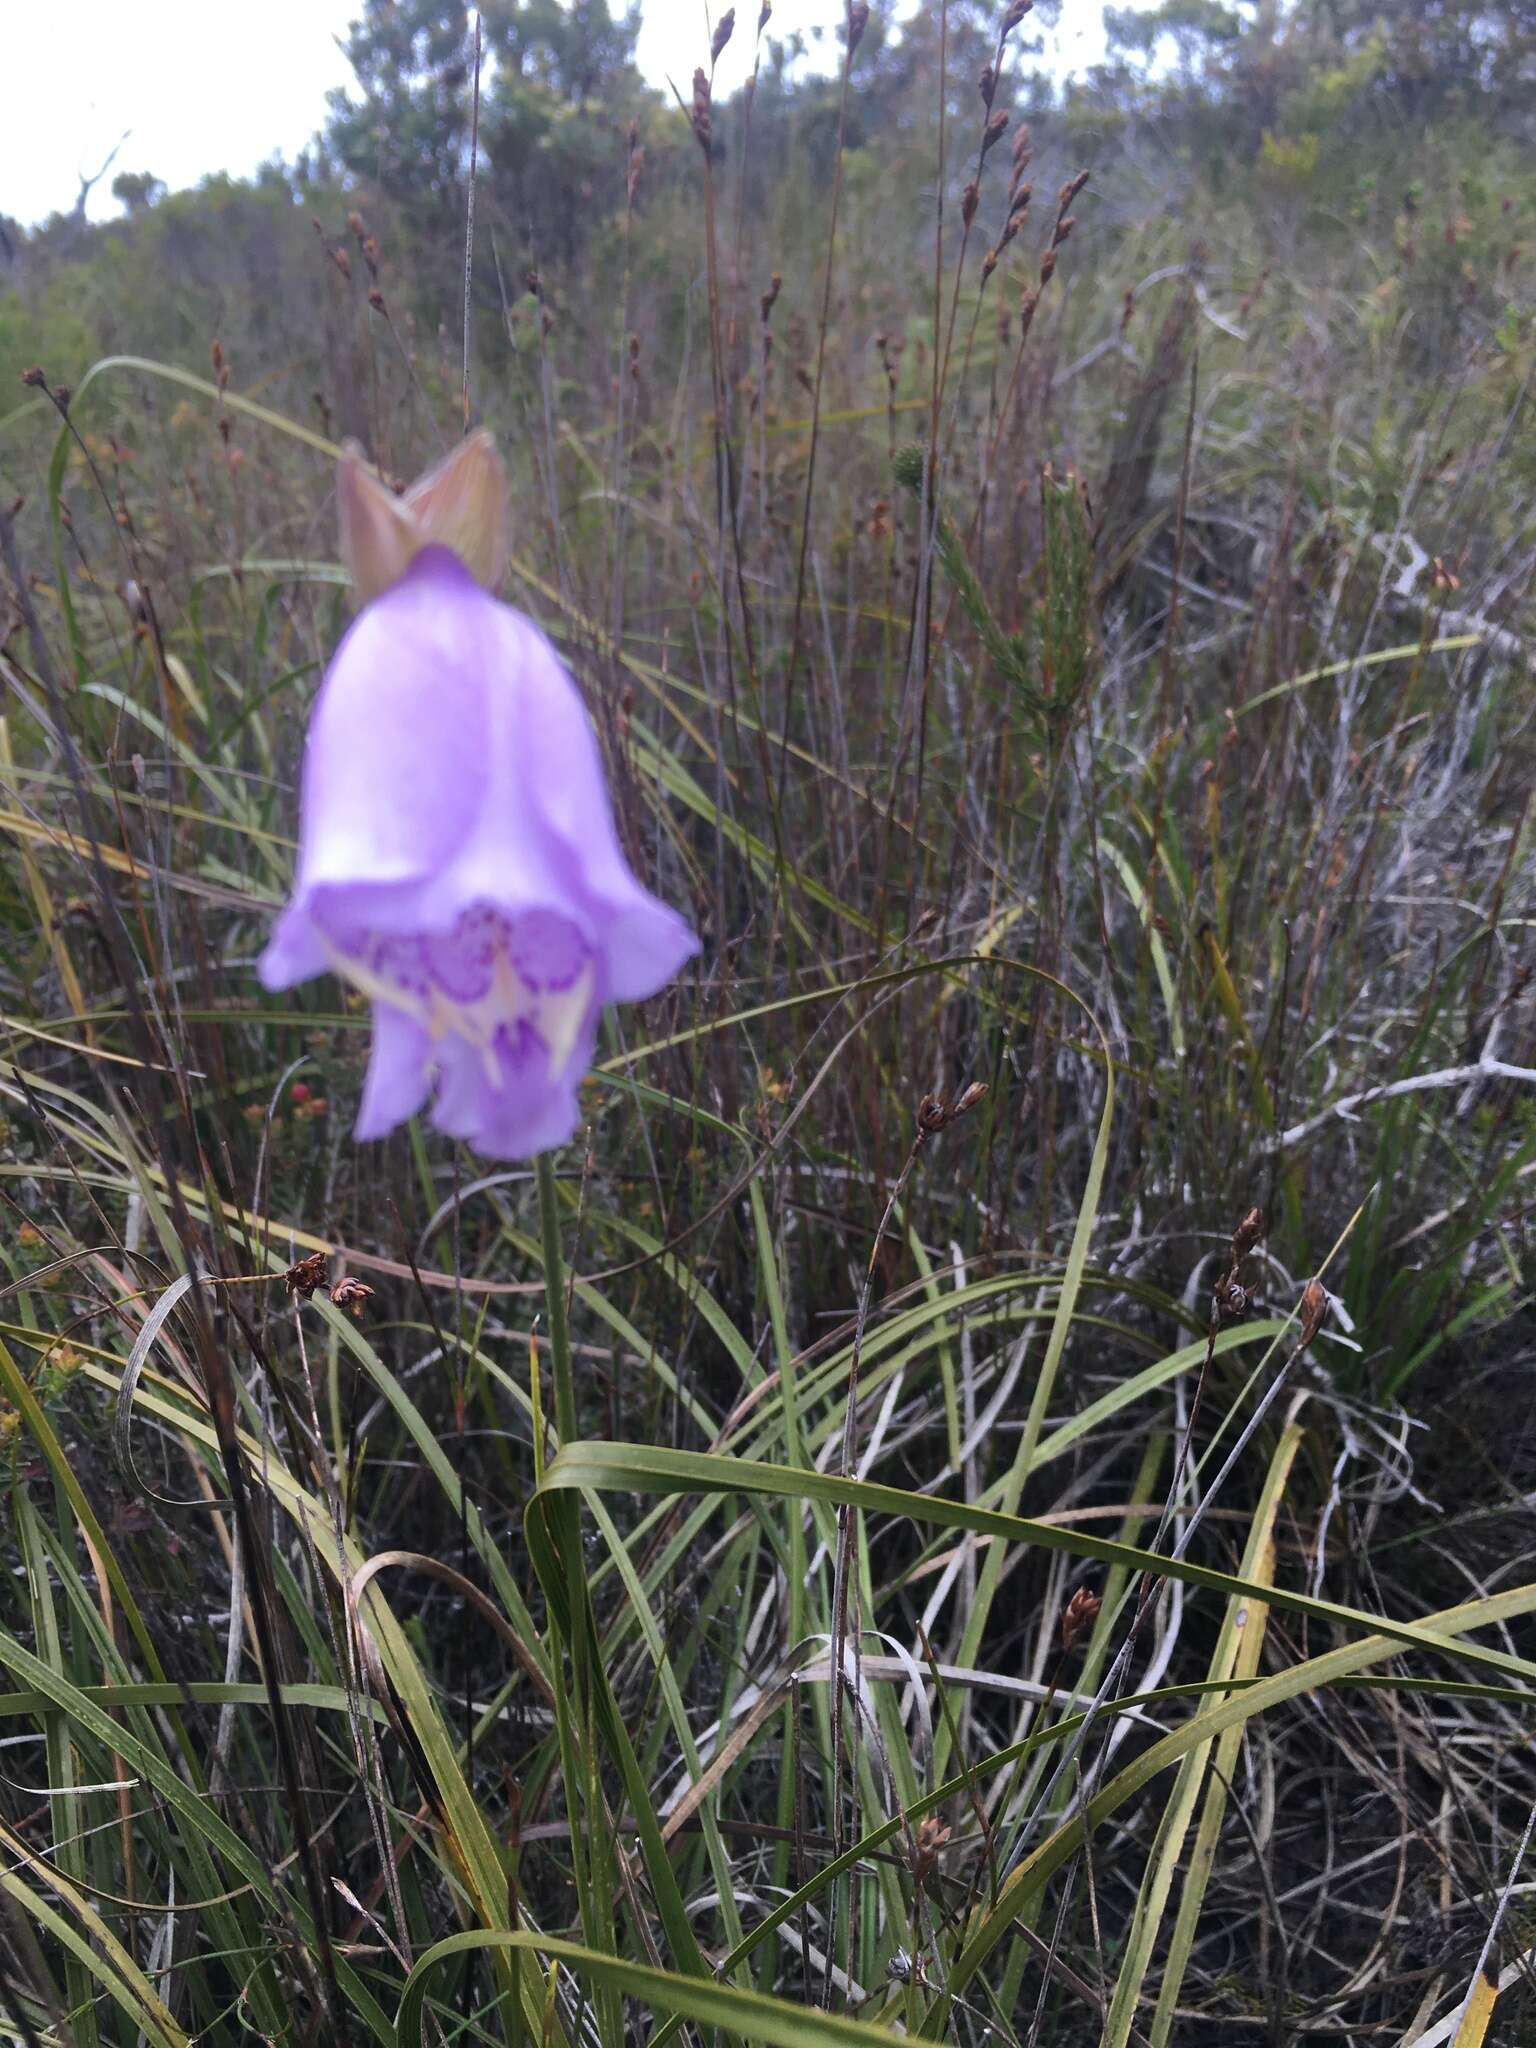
(208, 87)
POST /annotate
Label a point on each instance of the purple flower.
(458, 864)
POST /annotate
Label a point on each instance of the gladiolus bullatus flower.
(459, 865)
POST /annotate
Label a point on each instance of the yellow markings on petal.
(359, 975)
(561, 1014)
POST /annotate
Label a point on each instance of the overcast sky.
(204, 87)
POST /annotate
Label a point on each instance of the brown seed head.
(938, 1112)
(930, 1838)
(1247, 1234)
(351, 1295)
(986, 85)
(1314, 1306)
(34, 379)
(970, 198)
(702, 126)
(1016, 13)
(1079, 1615)
(302, 1280)
(724, 28)
(993, 131)
(858, 21)
(931, 1115)
(1230, 1302)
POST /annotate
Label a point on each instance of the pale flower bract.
(460, 866)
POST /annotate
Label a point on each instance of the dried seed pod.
(724, 28)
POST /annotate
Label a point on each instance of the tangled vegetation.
(1051, 572)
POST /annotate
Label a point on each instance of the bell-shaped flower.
(459, 865)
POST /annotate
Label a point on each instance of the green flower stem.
(554, 1299)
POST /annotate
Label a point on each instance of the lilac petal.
(561, 785)
(646, 945)
(395, 763)
(546, 950)
(293, 953)
(529, 1111)
(399, 1073)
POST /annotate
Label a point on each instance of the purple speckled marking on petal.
(463, 962)
(403, 961)
(355, 941)
(517, 1046)
(547, 950)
